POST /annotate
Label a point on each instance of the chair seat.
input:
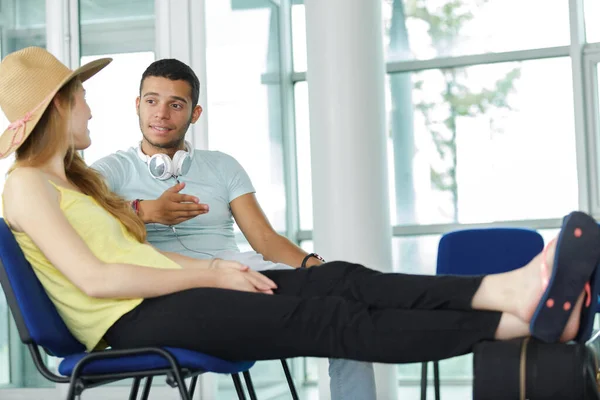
(186, 358)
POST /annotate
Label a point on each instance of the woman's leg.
(247, 326)
(377, 289)
(516, 292)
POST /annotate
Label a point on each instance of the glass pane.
(29, 13)
(114, 26)
(22, 24)
(419, 29)
(592, 20)
(111, 96)
(103, 10)
(484, 143)
(244, 105)
(299, 37)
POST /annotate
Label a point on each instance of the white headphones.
(162, 167)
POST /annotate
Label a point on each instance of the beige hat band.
(19, 126)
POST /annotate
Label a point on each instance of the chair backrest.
(36, 318)
(487, 251)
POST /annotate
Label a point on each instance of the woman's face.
(80, 115)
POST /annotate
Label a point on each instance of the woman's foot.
(548, 292)
(536, 277)
(524, 296)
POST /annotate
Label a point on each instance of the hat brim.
(10, 139)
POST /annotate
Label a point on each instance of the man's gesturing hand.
(172, 207)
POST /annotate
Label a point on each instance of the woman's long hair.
(50, 136)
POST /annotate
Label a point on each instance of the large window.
(482, 143)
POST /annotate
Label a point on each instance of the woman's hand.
(235, 276)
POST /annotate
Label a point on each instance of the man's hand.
(235, 276)
(172, 207)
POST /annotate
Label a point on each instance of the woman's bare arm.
(32, 206)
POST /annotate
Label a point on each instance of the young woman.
(88, 249)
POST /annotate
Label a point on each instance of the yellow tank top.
(89, 318)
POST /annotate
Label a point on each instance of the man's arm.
(261, 235)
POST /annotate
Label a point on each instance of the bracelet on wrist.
(135, 205)
(315, 255)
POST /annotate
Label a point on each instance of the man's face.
(165, 111)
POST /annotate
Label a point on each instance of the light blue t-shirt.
(214, 177)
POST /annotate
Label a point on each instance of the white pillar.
(181, 34)
(346, 75)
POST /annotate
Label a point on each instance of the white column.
(181, 34)
(346, 75)
(60, 37)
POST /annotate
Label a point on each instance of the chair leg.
(134, 388)
(75, 390)
(237, 382)
(147, 387)
(249, 385)
(183, 392)
(193, 386)
(290, 381)
(436, 379)
(424, 381)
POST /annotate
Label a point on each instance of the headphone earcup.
(160, 166)
(181, 163)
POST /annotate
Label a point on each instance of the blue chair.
(479, 252)
(39, 324)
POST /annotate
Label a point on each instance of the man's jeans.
(351, 380)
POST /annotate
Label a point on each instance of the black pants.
(338, 310)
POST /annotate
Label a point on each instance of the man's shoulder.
(214, 157)
(211, 154)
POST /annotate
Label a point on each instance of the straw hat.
(29, 80)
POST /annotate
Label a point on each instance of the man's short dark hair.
(174, 70)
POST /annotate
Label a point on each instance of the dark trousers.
(337, 310)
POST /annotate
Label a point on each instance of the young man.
(218, 191)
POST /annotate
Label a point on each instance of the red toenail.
(567, 306)
(550, 303)
(578, 232)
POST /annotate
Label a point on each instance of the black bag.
(529, 369)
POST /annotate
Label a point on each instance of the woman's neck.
(56, 167)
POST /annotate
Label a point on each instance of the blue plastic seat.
(481, 252)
